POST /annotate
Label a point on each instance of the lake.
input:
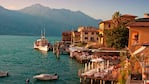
(18, 57)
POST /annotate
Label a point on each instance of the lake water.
(18, 57)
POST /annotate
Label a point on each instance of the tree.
(116, 19)
(117, 37)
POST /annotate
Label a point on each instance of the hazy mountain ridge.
(30, 20)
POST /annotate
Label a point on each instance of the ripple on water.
(21, 61)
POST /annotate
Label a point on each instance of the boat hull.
(42, 48)
(46, 77)
(3, 74)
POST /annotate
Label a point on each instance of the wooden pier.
(110, 78)
(60, 47)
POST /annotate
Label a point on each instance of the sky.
(98, 9)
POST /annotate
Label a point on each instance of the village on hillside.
(115, 52)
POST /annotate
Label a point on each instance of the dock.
(60, 47)
(94, 76)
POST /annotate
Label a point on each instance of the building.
(139, 43)
(75, 37)
(108, 24)
(104, 25)
(139, 32)
(66, 36)
(88, 34)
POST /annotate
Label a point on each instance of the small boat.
(3, 74)
(46, 77)
(42, 44)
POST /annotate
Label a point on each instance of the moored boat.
(3, 74)
(42, 44)
(46, 77)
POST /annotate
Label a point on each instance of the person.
(27, 81)
(55, 74)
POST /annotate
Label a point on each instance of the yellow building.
(104, 25)
(139, 32)
(75, 37)
(88, 34)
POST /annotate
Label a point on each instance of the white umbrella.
(97, 60)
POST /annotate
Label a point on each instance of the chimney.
(146, 15)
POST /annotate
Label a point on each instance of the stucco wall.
(143, 34)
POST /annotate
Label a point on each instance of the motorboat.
(3, 74)
(42, 43)
(46, 77)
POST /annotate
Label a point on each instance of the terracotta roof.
(142, 20)
(127, 15)
(139, 24)
(66, 32)
(90, 31)
(106, 21)
(76, 33)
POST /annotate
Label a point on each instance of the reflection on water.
(44, 53)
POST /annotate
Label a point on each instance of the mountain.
(30, 20)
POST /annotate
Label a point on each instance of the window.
(136, 38)
(92, 39)
(86, 32)
(92, 33)
(86, 38)
(109, 25)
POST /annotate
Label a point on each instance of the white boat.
(46, 77)
(3, 74)
(42, 44)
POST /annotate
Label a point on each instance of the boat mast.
(42, 35)
(44, 32)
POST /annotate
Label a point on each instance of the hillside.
(30, 20)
